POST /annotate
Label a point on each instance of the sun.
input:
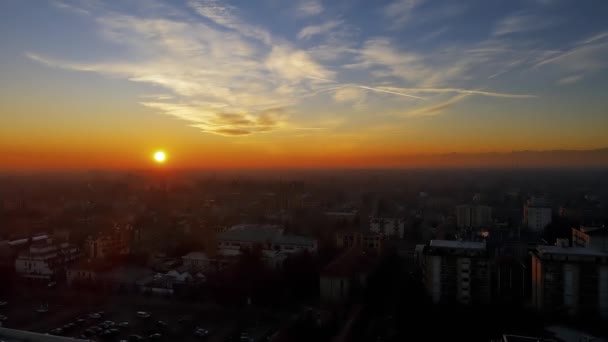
(160, 157)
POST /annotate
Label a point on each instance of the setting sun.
(160, 156)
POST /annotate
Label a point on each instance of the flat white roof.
(582, 251)
(457, 244)
(195, 255)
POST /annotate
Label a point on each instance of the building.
(572, 280)
(294, 244)
(265, 237)
(195, 259)
(473, 216)
(86, 272)
(537, 214)
(348, 216)
(101, 274)
(389, 227)
(45, 260)
(109, 244)
(363, 240)
(455, 271)
(346, 275)
(13, 335)
(590, 237)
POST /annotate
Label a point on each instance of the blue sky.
(529, 68)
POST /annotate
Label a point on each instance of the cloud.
(69, 7)
(310, 8)
(220, 81)
(215, 121)
(433, 34)
(522, 22)
(437, 108)
(224, 15)
(587, 56)
(313, 30)
(400, 11)
(380, 55)
(570, 80)
(296, 65)
(594, 38)
(459, 91)
(230, 77)
(348, 94)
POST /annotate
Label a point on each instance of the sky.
(299, 83)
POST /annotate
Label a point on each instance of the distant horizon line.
(596, 158)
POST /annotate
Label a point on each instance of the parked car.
(123, 324)
(143, 314)
(200, 332)
(95, 315)
(57, 331)
(3, 318)
(156, 336)
(43, 309)
(51, 284)
(135, 338)
(184, 319)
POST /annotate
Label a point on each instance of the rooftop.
(593, 230)
(457, 244)
(294, 240)
(251, 232)
(580, 251)
(196, 255)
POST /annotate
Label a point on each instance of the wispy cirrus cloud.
(570, 80)
(459, 91)
(309, 8)
(224, 80)
(313, 30)
(69, 7)
(225, 75)
(400, 11)
(435, 109)
(522, 22)
(584, 57)
(222, 14)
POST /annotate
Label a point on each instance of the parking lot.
(133, 318)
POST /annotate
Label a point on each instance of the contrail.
(390, 92)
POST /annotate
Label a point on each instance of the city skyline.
(94, 84)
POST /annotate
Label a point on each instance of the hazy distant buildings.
(388, 227)
(473, 216)
(108, 244)
(45, 260)
(572, 280)
(455, 271)
(537, 214)
(265, 237)
(363, 240)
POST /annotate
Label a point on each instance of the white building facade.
(537, 214)
(45, 260)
